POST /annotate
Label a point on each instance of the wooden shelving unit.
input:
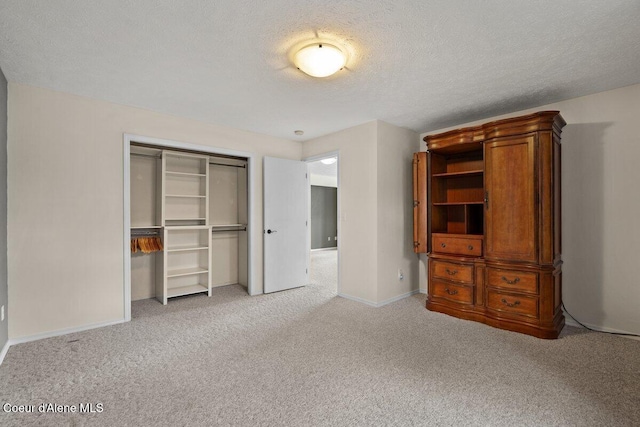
(458, 174)
(457, 192)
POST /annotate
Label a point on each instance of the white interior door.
(286, 210)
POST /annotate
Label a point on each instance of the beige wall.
(600, 206)
(357, 216)
(395, 147)
(375, 218)
(65, 197)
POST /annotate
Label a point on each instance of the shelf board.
(227, 225)
(457, 203)
(186, 227)
(186, 272)
(185, 174)
(186, 290)
(185, 196)
(458, 235)
(137, 227)
(187, 248)
(456, 174)
(185, 219)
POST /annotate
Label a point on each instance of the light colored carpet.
(307, 357)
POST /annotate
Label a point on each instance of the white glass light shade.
(329, 161)
(319, 59)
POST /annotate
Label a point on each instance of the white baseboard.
(379, 304)
(398, 298)
(219, 285)
(570, 321)
(66, 331)
(356, 299)
(5, 349)
(57, 333)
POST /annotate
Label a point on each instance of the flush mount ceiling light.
(320, 59)
(329, 161)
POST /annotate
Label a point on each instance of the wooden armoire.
(487, 213)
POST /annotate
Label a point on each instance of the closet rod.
(137, 233)
(233, 166)
(233, 229)
(157, 156)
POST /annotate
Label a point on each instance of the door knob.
(269, 231)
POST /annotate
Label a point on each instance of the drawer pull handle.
(470, 247)
(450, 292)
(511, 282)
(510, 304)
(444, 245)
(451, 272)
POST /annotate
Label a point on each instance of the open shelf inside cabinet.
(458, 219)
(457, 193)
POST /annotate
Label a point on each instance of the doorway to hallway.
(323, 220)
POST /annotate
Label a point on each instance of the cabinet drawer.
(452, 271)
(520, 281)
(457, 245)
(450, 291)
(513, 304)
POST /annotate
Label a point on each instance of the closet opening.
(187, 220)
(323, 221)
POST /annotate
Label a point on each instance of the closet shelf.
(200, 175)
(186, 290)
(187, 248)
(186, 272)
(186, 227)
(137, 227)
(456, 174)
(227, 225)
(457, 203)
(186, 196)
(185, 219)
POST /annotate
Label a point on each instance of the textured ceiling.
(418, 64)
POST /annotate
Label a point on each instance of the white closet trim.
(169, 144)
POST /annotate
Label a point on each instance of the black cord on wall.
(595, 330)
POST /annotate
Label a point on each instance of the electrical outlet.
(2, 314)
(400, 274)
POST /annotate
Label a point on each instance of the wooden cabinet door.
(510, 203)
(420, 226)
